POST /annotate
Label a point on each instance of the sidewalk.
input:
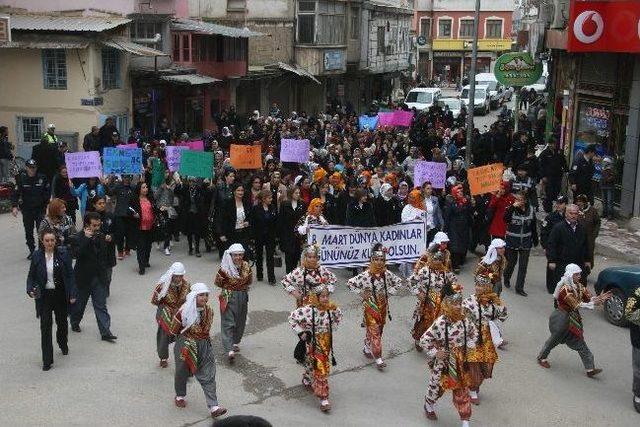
(617, 242)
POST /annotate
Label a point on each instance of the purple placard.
(83, 164)
(402, 118)
(385, 119)
(173, 156)
(295, 150)
(434, 172)
(127, 146)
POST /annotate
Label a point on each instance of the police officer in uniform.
(31, 196)
(547, 225)
(50, 135)
(552, 168)
(581, 176)
(524, 183)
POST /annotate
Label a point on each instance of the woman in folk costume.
(565, 323)
(374, 286)
(430, 284)
(193, 351)
(170, 293)
(493, 264)
(483, 308)
(314, 324)
(234, 278)
(313, 217)
(447, 343)
(301, 282)
(439, 243)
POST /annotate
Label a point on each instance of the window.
(186, 48)
(110, 69)
(321, 22)
(355, 23)
(31, 129)
(306, 22)
(381, 34)
(144, 32)
(176, 47)
(54, 68)
(236, 5)
(425, 27)
(466, 29)
(494, 29)
(444, 28)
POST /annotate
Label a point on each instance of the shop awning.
(131, 47)
(190, 79)
(295, 69)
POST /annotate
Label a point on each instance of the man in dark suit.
(581, 176)
(46, 157)
(90, 250)
(567, 244)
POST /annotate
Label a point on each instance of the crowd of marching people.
(357, 177)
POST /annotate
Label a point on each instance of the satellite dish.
(422, 40)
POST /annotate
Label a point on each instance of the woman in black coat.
(52, 284)
(360, 211)
(232, 222)
(458, 217)
(195, 208)
(291, 210)
(264, 221)
(386, 207)
(107, 227)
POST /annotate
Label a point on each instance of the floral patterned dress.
(428, 284)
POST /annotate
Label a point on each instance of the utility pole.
(472, 85)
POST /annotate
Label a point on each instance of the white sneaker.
(167, 251)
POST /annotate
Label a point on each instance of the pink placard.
(193, 145)
(402, 118)
(127, 146)
(385, 119)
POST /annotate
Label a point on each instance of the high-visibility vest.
(51, 139)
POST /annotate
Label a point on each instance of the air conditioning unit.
(5, 29)
(560, 14)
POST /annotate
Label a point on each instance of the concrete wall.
(423, 5)
(506, 16)
(630, 199)
(400, 24)
(275, 46)
(469, 5)
(23, 93)
(256, 9)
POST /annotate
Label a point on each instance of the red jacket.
(499, 205)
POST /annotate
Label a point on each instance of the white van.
(422, 98)
(481, 99)
(496, 90)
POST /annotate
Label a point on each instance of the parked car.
(480, 101)
(496, 89)
(454, 105)
(622, 282)
(422, 98)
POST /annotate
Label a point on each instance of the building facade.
(446, 30)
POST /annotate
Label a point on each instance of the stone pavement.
(616, 241)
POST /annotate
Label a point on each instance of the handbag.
(277, 261)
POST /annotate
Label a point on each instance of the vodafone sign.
(604, 26)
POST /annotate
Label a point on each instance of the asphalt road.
(121, 384)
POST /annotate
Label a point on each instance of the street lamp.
(472, 84)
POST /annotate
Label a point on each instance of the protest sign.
(192, 145)
(127, 146)
(83, 164)
(246, 156)
(122, 161)
(173, 157)
(196, 163)
(295, 150)
(402, 118)
(368, 122)
(485, 179)
(386, 119)
(342, 247)
(434, 172)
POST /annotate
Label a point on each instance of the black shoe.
(259, 278)
(76, 328)
(109, 337)
(65, 349)
(198, 254)
(506, 285)
(46, 367)
(190, 251)
(272, 282)
(147, 265)
(141, 271)
(521, 292)
(29, 258)
(636, 405)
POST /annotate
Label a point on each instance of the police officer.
(547, 225)
(581, 176)
(50, 135)
(552, 168)
(524, 183)
(31, 196)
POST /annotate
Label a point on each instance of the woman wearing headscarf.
(440, 243)
(193, 351)
(374, 285)
(565, 323)
(169, 294)
(291, 211)
(403, 191)
(313, 217)
(314, 324)
(458, 219)
(234, 278)
(498, 204)
(387, 208)
(493, 263)
(483, 308)
(51, 283)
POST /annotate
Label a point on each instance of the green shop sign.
(517, 69)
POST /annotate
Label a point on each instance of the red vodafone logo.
(588, 27)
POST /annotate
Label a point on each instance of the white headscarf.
(176, 269)
(383, 190)
(227, 261)
(492, 254)
(440, 237)
(567, 279)
(189, 309)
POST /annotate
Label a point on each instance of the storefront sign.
(98, 100)
(517, 69)
(343, 247)
(593, 127)
(334, 60)
(604, 26)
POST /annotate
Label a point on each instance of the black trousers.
(551, 192)
(521, 257)
(431, 234)
(458, 259)
(53, 303)
(31, 219)
(291, 259)
(143, 244)
(124, 229)
(269, 247)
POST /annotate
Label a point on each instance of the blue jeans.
(98, 293)
(607, 202)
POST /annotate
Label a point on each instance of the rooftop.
(210, 28)
(65, 23)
